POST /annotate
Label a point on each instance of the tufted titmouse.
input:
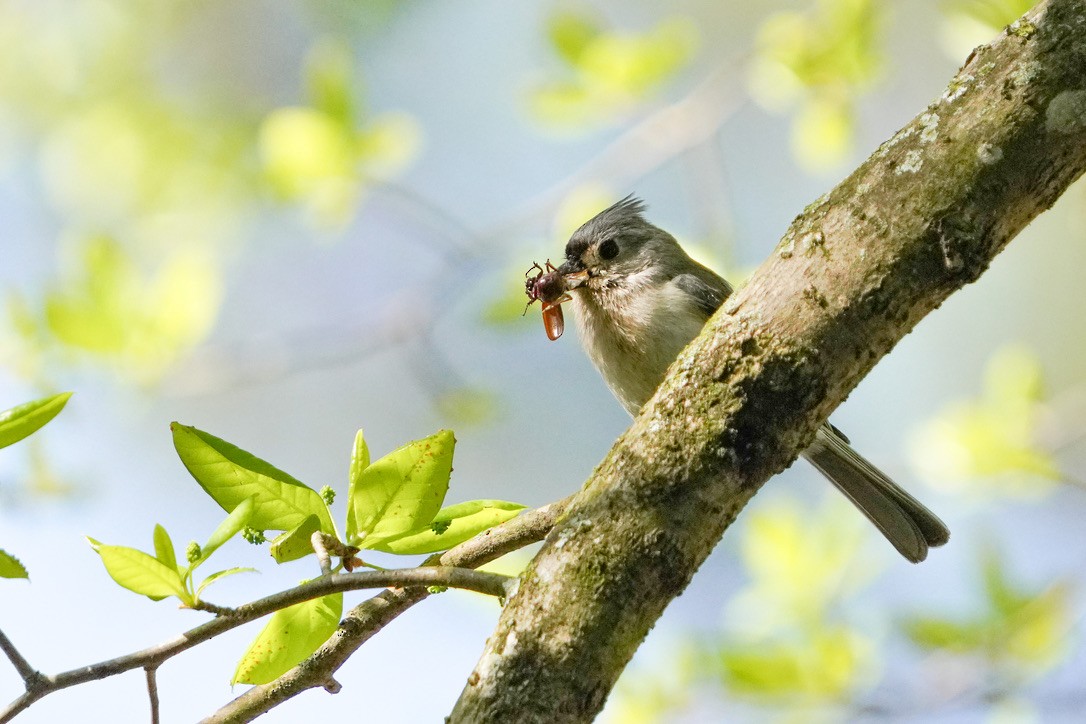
(639, 299)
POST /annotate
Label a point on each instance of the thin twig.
(39, 686)
(29, 674)
(369, 617)
(152, 692)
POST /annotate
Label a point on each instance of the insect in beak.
(549, 287)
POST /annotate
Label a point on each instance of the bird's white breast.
(633, 332)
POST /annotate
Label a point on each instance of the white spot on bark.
(811, 241)
(989, 154)
(929, 127)
(957, 88)
(913, 162)
(491, 658)
(510, 641)
(1024, 74)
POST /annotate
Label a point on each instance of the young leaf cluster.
(394, 505)
(609, 72)
(161, 575)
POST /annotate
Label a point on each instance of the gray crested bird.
(639, 299)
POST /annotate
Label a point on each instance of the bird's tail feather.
(903, 519)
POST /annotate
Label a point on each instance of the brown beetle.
(549, 288)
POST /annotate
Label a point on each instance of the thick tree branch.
(922, 217)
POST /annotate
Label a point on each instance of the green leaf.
(329, 79)
(990, 444)
(295, 543)
(1003, 598)
(451, 526)
(468, 405)
(11, 567)
(218, 575)
(231, 475)
(827, 665)
(402, 491)
(290, 636)
(164, 552)
(305, 148)
(939, 633)
(138, 572)
(360, 460)
(1037, 634)
(563, 104)
(570, 33)
(1022, 632)
(22, 420)
(135, 313)
(93, 309)
(770, 672)
(822, 133)
(388, 143)
(232, 525)
(638, 63)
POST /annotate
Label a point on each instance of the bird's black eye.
(608, 249)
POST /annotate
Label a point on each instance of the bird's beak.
(573, 274)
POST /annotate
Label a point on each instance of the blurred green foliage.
(788, 641)
(989, 444)
(1017, 634)
(323, 156)
(153, 179)
(822, 668)
(995, 14)
(818, 62)
(608, 72)
(466, 405)
(969, 23)
(793, 642)
(140, 317)
(801, 561)
(649, 695)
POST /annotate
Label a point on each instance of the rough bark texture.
(922, 217)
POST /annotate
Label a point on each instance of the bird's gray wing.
(709, 292)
